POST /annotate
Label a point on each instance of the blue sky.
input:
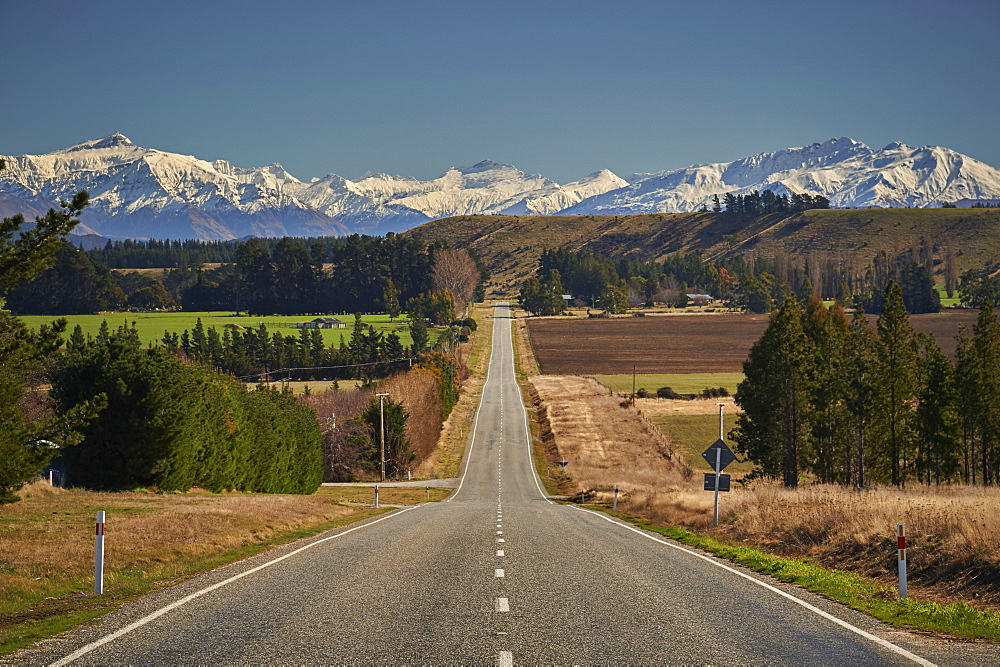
(557, 88)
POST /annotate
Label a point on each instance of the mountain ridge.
(148, 193)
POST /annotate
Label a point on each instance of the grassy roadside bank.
(158, 540)
(153, 541)
(446, 460)
(840, 547)
(876, 599)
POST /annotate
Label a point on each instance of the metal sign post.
(718, 456)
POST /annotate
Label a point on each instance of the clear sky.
(552, 87)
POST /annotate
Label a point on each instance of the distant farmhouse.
(322, 323)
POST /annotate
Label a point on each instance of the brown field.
(952, 531)
(604, 443)
(708, 343)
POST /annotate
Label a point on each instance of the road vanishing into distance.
(497, 574)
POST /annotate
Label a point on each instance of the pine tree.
(896, 388)
(390, 299)
(937, 415)
(773, 428)
(861, 389)
(986, 341)
(828, 386)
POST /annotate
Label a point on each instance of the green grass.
(682, 383)
(692, 434)
(857, 592)
(152, 325)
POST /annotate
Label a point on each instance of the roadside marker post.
(614, 505)
(376, 495)
(99, 555)
(901, 547)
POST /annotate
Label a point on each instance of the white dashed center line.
(499, 572)
(506, 659)
(500, 552)
(503, 604)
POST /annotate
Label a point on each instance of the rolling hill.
(511, 245)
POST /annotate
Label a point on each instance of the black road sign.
(710, 482)
(725, 459)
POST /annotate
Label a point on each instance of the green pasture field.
(682, 383)
(151, 326)
(692, 434)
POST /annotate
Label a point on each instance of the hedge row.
(171, 425)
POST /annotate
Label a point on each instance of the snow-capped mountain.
(146, 193)
(847, 172)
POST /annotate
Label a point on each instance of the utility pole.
(633, 385)
(381, 421)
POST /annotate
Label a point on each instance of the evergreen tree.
(27, 447)
(773, 428)
(418, 333)
(829, 377)
(986, 341)
(937, 455)
(861, 389)
(390, 299)
(896, 388)
(398, 456)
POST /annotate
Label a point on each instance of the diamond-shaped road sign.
(726, 455)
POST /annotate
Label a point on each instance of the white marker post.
(376, 495)
(614, 505)
(99, 556)
(901, 546)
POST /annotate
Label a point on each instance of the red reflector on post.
(901, 542)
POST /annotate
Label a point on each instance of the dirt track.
(716, 343)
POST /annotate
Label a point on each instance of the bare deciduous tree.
(455, 270)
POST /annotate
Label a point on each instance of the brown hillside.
(511, 245)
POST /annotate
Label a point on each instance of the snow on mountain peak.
(140, 192)
(116, 140)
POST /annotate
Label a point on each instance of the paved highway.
(497, 574)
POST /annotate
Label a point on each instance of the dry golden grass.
(953, 532)
(47, 539)
(446, 458)
(604, 443)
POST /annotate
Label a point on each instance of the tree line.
(173, 425)
(742, 281)
(259, 353)
(766, 202)
(287, 276)
(830, 397)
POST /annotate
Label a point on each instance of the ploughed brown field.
(708, 343)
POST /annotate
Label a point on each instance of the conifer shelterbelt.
(27, 447)
(845, 404)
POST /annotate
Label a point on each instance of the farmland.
(151, 325)
(708, 343)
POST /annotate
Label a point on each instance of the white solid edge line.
(527, 429)
(506, 659)
(816, 610)
(184, 600)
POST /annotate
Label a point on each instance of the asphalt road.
(497, 574)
